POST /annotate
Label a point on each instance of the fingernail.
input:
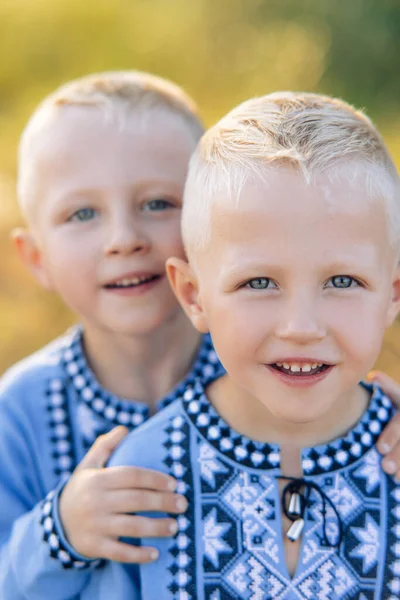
(389, 466)
(371, 375)
(181, 504)
(172, 485)
(173, 528)
(154, 554)
(384, 448)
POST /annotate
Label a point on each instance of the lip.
(302, 380)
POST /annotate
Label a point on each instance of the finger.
(138, 478)
(391, 462)
(125, 553)
(138, 527)
(390, 437)
(104, 446)
(133, 501)
(389, 465)
(390, 387)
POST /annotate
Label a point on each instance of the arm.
(32, 532)
(26, 567)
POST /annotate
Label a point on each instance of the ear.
(30, 254)
(185, 287)
(394, 305)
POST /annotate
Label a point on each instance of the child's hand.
(96, 502)
(389, 440)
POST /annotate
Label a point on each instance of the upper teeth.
(296, 367)
(132, 280)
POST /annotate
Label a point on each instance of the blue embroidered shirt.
(229, 543)
(52, 409)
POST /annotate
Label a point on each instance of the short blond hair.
(117, 94)
(312, 133)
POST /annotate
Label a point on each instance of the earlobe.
(185, 288)
(29, 253)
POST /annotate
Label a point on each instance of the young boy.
(291, 226)
(101, 174)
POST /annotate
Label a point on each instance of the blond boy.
(291, 225)
(102, 167)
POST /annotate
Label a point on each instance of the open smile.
(132, 282)
(300, 373)
(300, 370)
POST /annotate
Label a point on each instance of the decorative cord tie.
(295, 502)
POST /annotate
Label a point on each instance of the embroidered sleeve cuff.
(54, 536)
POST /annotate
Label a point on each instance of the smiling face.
(106, 216)
(296, 290)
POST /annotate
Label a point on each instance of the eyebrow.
(339, 265)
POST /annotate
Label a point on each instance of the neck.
(142, 368)
(250, 417)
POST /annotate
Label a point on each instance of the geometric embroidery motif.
(369, 548)
(235, 517)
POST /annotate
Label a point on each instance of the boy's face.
(107, 216)
(297, 286)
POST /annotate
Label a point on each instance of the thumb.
(390, 387)
(104, 446)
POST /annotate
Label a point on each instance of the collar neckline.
(121, 411)
(340, 452)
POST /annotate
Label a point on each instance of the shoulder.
(29, 377)
(146, 445)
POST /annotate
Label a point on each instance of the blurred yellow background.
(221, 51)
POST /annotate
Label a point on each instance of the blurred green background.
(221, 51)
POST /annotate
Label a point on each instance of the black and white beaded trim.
(216, 431)
(60, 427)
(315, 461)
(110, 408)
(392, 566)
(346, 450)
(125, 412)
(104, 404)
(57, 549)
(182, 551)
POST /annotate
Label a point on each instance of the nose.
(126, 237)
(300, 322)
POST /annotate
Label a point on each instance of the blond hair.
(116, 94)
(312, 133)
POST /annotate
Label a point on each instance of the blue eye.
(83, 214)
(157, 205)
(261, 283)
(342, 282)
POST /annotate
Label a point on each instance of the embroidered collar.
(120, 411)
(346, 450)
(324, 458)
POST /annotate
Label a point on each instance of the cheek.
(71, 259)
(238, 328)
(167, 237)
(359, 327)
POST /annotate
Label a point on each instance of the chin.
(301, 416)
